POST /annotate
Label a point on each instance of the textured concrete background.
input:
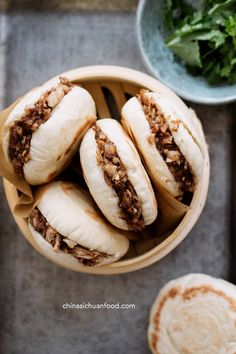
(32, 288)
(61, 5)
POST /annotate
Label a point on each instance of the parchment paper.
(170, 211)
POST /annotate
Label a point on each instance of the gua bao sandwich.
(43, 130)
(167, 142)
(116, 177)
(67, 227)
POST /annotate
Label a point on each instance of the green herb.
(204, 39)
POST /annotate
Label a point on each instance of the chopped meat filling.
(60, 243)
(116, 176)
(162, 137)
(21, 130)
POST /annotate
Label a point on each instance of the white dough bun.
(104, 195)
(72, 212)
(184, 134)
(54, 142)
(194, 314)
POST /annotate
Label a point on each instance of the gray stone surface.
(62, 5)
(32, 288)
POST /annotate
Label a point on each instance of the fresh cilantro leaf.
(230, 27)
(205, 39)
(187, 50)
(176, 12)
(219, 7)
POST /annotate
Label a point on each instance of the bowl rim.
(149, 67)
(107, 72)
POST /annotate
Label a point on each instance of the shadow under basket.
(111, 87)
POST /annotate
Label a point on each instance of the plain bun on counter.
(194, 314)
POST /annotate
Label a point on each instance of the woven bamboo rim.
(122, 82)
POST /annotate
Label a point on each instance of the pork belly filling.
(165, 144)
(116, 176)
(21, 131)
(60, 243)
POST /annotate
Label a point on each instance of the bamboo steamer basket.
(111, 87)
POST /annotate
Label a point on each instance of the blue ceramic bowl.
(161, 63)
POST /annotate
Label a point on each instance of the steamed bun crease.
(116, 176)
(21, 130)
(59, 242)
(162, 137)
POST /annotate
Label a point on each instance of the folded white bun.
(72, 213)
(194, 314)
(54, 142)
(104, 194)
(184, 134)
